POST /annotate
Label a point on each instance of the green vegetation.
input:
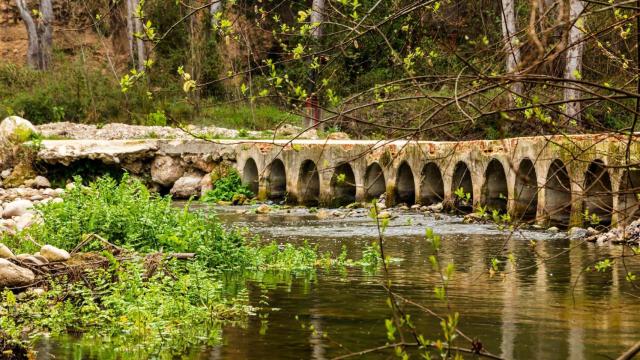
(127, 288)
(228, 188)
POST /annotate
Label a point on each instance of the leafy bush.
(226, 188)
(127, 214)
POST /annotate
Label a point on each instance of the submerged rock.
(576, 233)
(263, 209)
(12, 275)
(54, 254)
(16, 208)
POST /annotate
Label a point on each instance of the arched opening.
(343, 185)
(405, 186)
(598, 200)
(277, 181)
(431, 185)
(462, 188)
(526, 196)
(250, 175)
(557, 195)
(374, 182)
(494, 190)
(629, 196)
(309, 184)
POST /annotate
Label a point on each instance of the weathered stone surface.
(32, 260)
(41, 182)
(263, 209)
(12, 275)
(16, 128)
(206, 184)
(54, 254)
(66, 152)
(5, 252)
(165, 170)
(186, 186)
(25, 220)
(338, 136)
(576, 233)
(17, 208)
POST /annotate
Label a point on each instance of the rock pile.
(16, 270)
(628, 235)
(17, 206)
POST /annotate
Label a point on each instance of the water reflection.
(538, 310)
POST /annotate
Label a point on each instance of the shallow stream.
(544, 310)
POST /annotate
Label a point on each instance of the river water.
(545, 308)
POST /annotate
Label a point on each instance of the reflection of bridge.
(544, 179)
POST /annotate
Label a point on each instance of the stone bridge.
(548, 180)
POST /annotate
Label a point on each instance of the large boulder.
(187, 186)
(16, 208)
(166, 170)
(12, 275)
(15, 128)
(206, 184)
(54, 254)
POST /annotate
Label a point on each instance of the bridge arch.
(277, 181)
(343, 185)
(557, 194)
(598, 198)
(250, 176)
(628, 196)
(309, 184)
(374, 182)
(526, 191)
(431, 185)
(495, 191)
(462, 184)
(405, 185)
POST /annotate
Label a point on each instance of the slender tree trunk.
(573, 69)
(137, 24)
(317, 15)
(314, 114)
(45, 33)
(130, 15)
(33, 49)
(216, 7)
(509, 37)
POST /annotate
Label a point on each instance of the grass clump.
(228, 188)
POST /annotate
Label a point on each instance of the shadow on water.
(542, 311)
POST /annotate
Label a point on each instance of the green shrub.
(226, 188)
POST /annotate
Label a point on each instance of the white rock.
(16, 208)
(5, 252)
(25, 220)
(13, 126)
(166, 170)
(54, 254)
(12, 275)
(436, 208)
(553, 229)
(186, 186)
(57, 200)
(263, 209)
(576, 233)
(41, 182)
(5, 173)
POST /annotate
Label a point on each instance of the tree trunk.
(130, 15)
(317, 15)
(313, 111)
(45, 33)
(573, 69)
(33, 50)
(216, 7)
(510, 41)
(137, 24)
